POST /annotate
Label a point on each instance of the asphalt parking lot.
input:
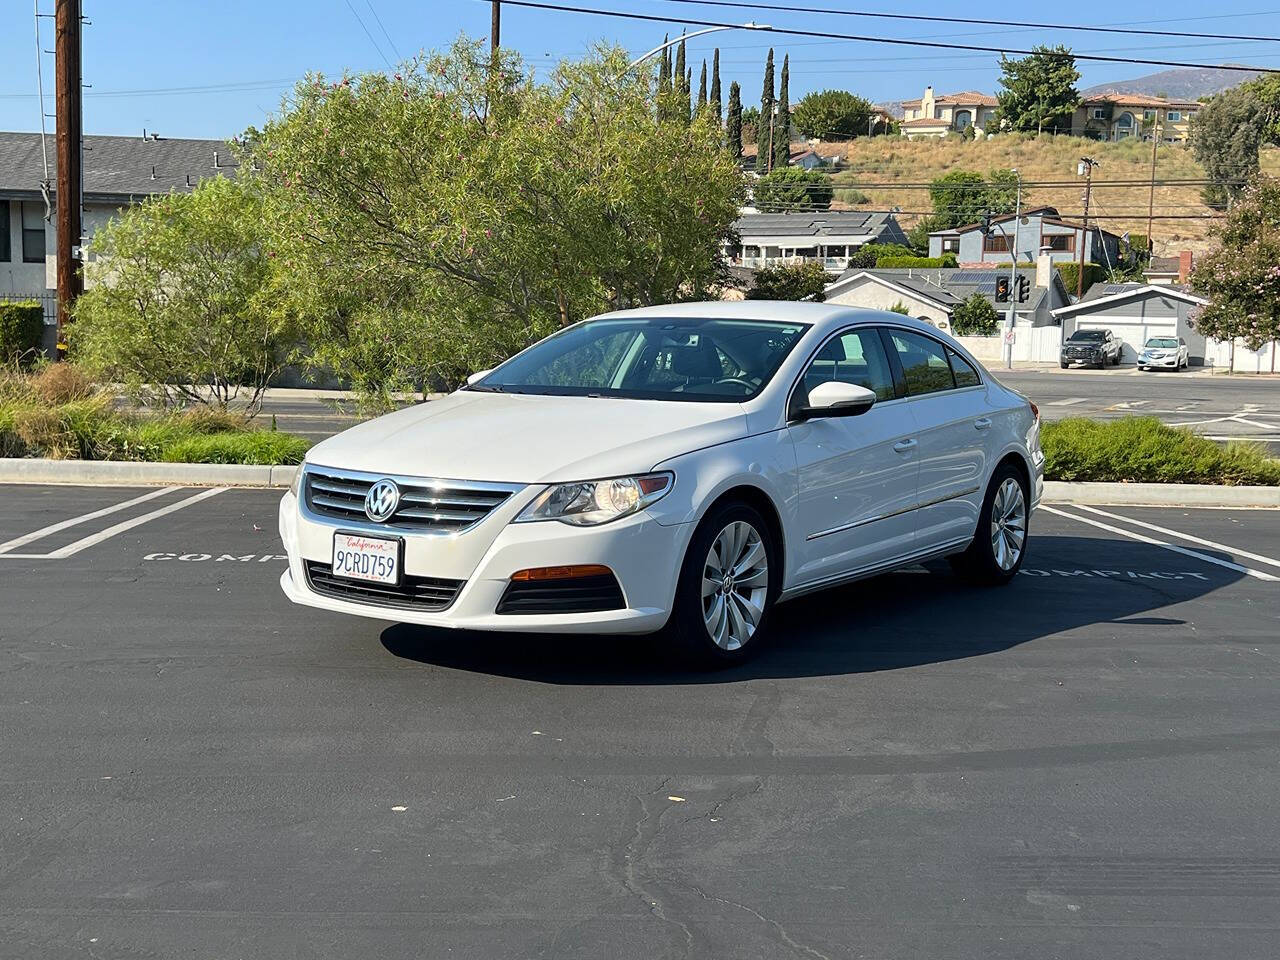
(1080, 765)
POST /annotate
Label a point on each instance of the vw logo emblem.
(381, 501)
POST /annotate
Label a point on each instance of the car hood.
(514, 438)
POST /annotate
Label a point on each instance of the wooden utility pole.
(495, 27)
(1088, 163)
(1151, 197)
(70, 133)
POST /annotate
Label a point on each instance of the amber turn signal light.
(561, 573)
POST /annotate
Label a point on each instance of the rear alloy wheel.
(727, 586)
(995, 555)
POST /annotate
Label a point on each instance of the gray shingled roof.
(949, 286)
(1100, 290)
(883, 226)
(114, 167)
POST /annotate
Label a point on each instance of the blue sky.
(139, 56)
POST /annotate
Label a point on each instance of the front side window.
(855, 357)
(32, 233)
(925, 367)
(651, 359)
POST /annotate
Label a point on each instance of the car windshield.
(1088, 336)
(1162, 342)
(651, 359)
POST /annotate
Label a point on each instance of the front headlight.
(593, 502)
(296, 484)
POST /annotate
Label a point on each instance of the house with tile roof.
(1123, 116)
(936, 115)
(118, 171)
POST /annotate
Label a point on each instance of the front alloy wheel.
(735, 585)
(729, 580)
(1000, 543)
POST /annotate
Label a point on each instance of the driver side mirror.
(477, 376)
(836, 399)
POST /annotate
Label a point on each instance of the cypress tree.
(714, 103)
(664, 81)
(687, 102)
(733, 124)
(766, 117)
(678, 82)
(702, 90)
(782, 126)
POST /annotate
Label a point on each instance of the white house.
(827, 236)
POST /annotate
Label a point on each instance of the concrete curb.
(1160, 494)
(130, 474)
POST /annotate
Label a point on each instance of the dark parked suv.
(1091, 348)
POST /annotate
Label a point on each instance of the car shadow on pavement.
(905, 619)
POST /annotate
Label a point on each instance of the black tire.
(1062, 365)
(979, 563)
(687, 629)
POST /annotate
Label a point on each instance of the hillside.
(1180, 84)
(889, 160)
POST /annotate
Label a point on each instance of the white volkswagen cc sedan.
(683, 467)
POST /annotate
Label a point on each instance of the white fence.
(1030, 344)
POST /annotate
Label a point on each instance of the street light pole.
(749, 25)
(1086, 168)
(1013, 272)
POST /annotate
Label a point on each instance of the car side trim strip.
(896, 513)
(941, 550)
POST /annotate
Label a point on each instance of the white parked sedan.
(1164, 353)
(682, 466)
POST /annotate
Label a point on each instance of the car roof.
(821, 315)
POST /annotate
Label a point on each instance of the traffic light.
(1024, 288)
(986, 222)
(1002, 290)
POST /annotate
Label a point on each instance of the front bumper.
(1091, 360)
(1168, 363)
(643, 554)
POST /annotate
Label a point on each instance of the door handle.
(982, 423)
(902, 446)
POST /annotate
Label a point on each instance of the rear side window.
(855, 357)
(925, 368)
(962, 370)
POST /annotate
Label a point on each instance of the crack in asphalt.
(796, 946)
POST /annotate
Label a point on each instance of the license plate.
(373, 559)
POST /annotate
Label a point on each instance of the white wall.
(874, 295)
(1030, 344)
(1243, 360)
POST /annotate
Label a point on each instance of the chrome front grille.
(425, 504)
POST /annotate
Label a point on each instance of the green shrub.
(800, 281)
(1145, 450)
(947, 260)
(975, 317)
(865, 257)
(851, 196)
(1093, 273)
(21, 329)
(255, 446)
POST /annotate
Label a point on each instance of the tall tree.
(1240, 278)
(681, 86)
(664, 80)
(686, 100)
(425, 257)
(733, 122)
(1039, 90)
(766, 117)
(702, 90)
(793, 188)
(715, 86)
(832, 113)
(1226, 135)
(782, 126)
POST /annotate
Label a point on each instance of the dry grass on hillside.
(1049, 158)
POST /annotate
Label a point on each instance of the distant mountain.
(892, 107)
(1188, 83)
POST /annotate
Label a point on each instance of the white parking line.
(1249, 571)
(1067, 402)
(73, 548)
(83, 544)
(43, 532)
(1182, 536)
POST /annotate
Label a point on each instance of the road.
(1223, 407)
(1082, 764)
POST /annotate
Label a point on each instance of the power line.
(382, 27)
(968, 20)
(360, 21)
(791, 31)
